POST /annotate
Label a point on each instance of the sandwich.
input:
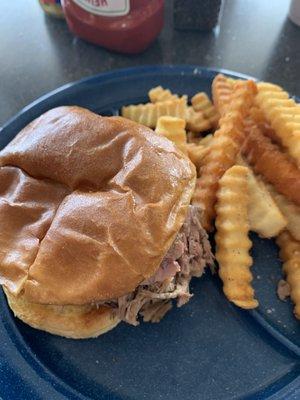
(96, 225)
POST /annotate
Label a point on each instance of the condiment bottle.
(126, 26)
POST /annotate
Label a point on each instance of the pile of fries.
(245, 144)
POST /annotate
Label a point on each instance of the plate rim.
(119, 72)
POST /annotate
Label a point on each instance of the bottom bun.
(76, 322)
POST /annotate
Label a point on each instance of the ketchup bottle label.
(108, 8)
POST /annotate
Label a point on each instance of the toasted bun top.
(89, 206)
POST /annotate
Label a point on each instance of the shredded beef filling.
(187, 257)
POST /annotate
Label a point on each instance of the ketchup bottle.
(126, 26)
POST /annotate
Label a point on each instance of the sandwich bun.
(89, 206)
(75, 322)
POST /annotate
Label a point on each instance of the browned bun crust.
(76, 322)
(89, 206)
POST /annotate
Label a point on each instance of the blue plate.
(208, 349)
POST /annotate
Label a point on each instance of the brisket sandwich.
(96, 225)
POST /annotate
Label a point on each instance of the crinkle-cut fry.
(195, 121)
(223, 150)
(291, 268)
(286, 124)
(266, 100)
(232, 81)
(201, 102)
(290, 211)
(158, 94)
(174, 129)
(283, 114)
(232, 242)
(258, 117)
(289, 247)
(193, 137)
(267, 160)
(265, 218)
(148, 114)
(196, 153)
(196, 138)
(206, 140)
(248, 124)
(222, 89)
(270, 95)
(267, 86)
(290, 255)
(221, 156)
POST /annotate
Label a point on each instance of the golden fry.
(223, 150)
(221, 156)
(257, 116)
(206, 140)
(222, 89)
(148, 114)
(195, 121)
(232, 242)
(232, 81)
(196, 153)
(264, 155)
(290, 255)
(193, 137)
(289, 247)
(174, 129)
(286, 124)
(265, 218)
(158, 94)
(290, 211)
(283, 114)
(267, 87)
(269, 97)
(201, 102)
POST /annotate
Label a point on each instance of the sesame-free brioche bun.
(76, 322)
(89, 206)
